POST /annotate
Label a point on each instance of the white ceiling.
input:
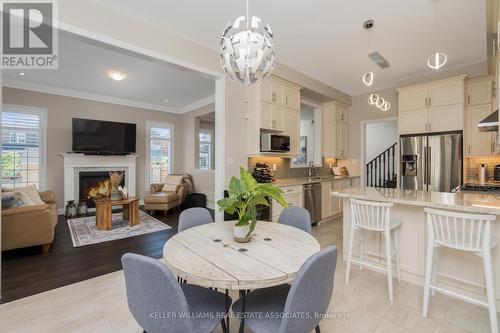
(325, 39)
(83, 67)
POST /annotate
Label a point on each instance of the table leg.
(243, 294)
(133, 213)
(126, 212)
(103, 217)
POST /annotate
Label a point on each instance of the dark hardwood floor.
(28, 271)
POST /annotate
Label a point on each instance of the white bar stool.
(374, 216)
(465, 232)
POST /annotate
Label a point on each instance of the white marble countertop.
(473, 202)
(312, 180)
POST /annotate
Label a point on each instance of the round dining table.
(207, 255)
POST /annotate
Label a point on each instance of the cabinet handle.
(430, 101)
(274, 97)
(274, 123)
(286, 100)
(469, 149)
(468, 99)
(430, 125)
(426, 103)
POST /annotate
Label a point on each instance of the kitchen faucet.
(311, 169)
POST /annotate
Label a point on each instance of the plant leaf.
(235, 188)
(253, 223)
(274, 193)
(248, 182)
(243, 220)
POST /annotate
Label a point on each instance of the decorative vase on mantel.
(244, 196)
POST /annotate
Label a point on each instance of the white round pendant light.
(379, 102)
(247, 49)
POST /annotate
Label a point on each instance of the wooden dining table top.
(208, 255)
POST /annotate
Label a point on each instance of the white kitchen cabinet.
(479, 106)
(335, 133)
(333, 205)
(293, 197)
(480, 90)
(274, 106)
(292, 98)
(432, 107)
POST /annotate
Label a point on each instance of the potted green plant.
(244, 195)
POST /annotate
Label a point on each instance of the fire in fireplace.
(95, 185)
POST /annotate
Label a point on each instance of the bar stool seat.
(464, 232)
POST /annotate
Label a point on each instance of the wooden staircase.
(380, 171)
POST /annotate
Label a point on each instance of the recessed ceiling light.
(21, 73)
(117, 76)
(166, 100)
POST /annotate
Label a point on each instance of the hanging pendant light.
(247, 49)
(379, 102)
(368, 77)
(438, 59)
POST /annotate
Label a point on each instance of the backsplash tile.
(283, 169)
(472, 165)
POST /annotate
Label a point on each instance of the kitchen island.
(409, 207)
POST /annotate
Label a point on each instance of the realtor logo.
(29, 35)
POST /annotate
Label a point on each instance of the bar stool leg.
(434, 269)
(428, 275)
(396, 247)
(349, 255)
(361, 247)
(388, 256)
(488, 277)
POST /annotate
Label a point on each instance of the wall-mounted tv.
(103, 137)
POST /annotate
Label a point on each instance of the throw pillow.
(12, 200)
(29, 194)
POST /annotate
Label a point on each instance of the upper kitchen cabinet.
(478, 106)
(273, 106)
(335, 124)
(436, 106)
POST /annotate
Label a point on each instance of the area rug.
(83, 230)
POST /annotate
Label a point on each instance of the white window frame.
(210, 132)
(42, 113)
(149, 126)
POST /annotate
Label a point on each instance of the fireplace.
(94, 185)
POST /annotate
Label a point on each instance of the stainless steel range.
(481, 187)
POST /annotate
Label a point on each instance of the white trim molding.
(198, 104)
(88, 96)
(157, 124)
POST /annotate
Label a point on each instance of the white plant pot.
(240, 233)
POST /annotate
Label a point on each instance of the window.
(160, 151)
(205, 149)
(23, 159)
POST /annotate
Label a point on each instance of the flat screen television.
(103, 137)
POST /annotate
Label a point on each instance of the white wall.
(378, 137)
(204, 180)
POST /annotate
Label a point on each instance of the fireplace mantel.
(75, 163)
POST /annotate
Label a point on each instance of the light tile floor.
(99, 305)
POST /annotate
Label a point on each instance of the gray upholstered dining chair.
(159, 304)
(297, 217)
(193, 217)
(308, 296)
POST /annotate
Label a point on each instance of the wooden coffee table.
(103, 212)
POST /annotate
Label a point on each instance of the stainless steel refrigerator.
(431, 162)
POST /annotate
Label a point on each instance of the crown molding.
(88, 96)
(198, 104)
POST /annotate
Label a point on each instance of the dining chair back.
(152, 291)
(193, 217)
(310, 292)
(297, 217)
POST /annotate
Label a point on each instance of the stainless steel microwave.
(274, 143)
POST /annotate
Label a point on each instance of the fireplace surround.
(75, 163)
